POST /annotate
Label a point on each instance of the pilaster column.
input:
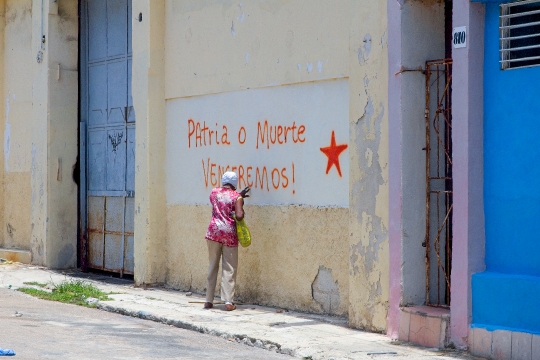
(148, 91)
(54, 133)
(468, 247)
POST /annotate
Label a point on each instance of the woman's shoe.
(230, 307)
(208, 305)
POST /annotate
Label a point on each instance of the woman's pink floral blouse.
(222, 227)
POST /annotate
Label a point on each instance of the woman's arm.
(239, 208)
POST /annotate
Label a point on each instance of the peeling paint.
(367, 229)
(364, 50)
(365, 106)
(369, 123)
(367, 139)
(367, 44)
(369, 239)
(246, 58)
(384, 39)
(309, 67)
(369, 157)
(232, 29)
(319, 66)
(325, 290)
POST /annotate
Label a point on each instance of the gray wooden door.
(107, 135)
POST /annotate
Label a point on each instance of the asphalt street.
(51, 330)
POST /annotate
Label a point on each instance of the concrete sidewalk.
(301, 335)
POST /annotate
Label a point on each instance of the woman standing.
(222, 240)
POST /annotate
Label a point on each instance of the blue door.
(107, 135)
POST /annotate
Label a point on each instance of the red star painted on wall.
(332, 152)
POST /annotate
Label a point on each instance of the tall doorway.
(107, 136)
(439, 189)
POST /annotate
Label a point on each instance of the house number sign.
(459, 37)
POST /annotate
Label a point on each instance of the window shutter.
(519, 34)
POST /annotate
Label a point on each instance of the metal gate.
(107, 136)
(438, 240)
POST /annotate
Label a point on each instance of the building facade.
(372, 134)
(121, 116)
(424, 196)
(489, 282)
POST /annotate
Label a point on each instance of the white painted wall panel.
(205, 134)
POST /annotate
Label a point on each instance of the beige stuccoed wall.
(149, 103)
(40, 127)
(54, 134)
(290, 244)
(211, 47)
(17, 123)
(62, 134)
(214, 47)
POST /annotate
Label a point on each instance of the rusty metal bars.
(438, 240)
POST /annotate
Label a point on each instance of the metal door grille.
(438, 240)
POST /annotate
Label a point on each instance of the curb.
(239, 338)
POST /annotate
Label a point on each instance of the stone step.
(16, 255)
(425, 325)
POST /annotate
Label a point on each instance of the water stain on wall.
(15, 12)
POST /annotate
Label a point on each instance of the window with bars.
(520, 34)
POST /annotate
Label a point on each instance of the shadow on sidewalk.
(101, 276)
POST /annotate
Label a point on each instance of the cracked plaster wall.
(234, 45)
(325, 290)
(368, 216)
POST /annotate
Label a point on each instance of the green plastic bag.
(244, 235)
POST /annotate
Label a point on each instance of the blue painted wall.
(511, 160)
(507, 295)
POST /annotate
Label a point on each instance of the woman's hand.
(244, 192)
